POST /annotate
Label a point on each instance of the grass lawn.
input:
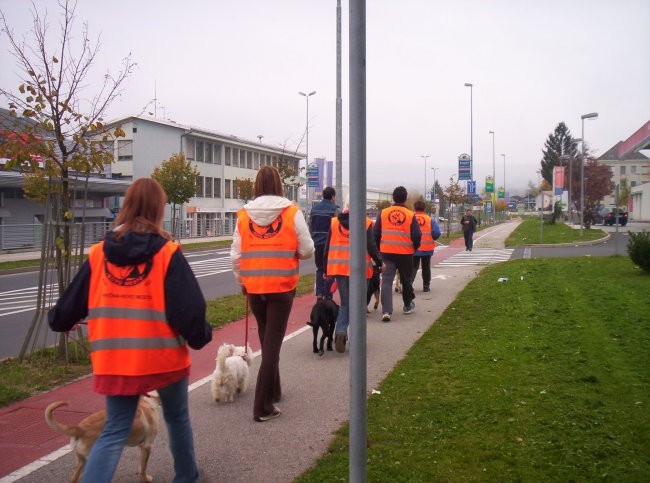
(543, 378)
(527, 233)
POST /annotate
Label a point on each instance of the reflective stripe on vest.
(269, 263)
(338, 256)
(396, 230)
(426, 243)
(127, 328)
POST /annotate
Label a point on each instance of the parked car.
(615, 215)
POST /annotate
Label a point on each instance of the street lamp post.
(425, 156)
(307, 96)
(494, 180)
(591, 115)
(471, 128)
(433, 192)
(504, 184)
(569, 200)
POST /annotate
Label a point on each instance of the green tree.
(245, 187)
(179, 179)
(557, 149)
(56, 132)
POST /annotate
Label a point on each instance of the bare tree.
(65, 135)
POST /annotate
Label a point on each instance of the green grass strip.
(528, 233)
(543, 378)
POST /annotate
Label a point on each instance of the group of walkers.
(144, 307)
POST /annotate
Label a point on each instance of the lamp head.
(491, 132)
(591, 115)
(468, 84)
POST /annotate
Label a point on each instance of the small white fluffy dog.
(231, 373)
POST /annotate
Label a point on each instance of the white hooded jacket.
(263, 210)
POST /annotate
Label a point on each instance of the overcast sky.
(236, 67)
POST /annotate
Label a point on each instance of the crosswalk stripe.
(478, 256)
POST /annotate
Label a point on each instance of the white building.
(221, 160)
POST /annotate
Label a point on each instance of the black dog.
(323, 316)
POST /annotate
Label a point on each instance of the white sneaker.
(385, 317)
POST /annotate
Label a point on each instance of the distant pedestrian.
(270, 238)
(337, 265)
(430, 232)
(398, 235)
(319, 224)
(468, 223)
(143, 305)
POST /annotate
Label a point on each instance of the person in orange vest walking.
(430, 232)
(270, 238)
(138, 327)
(398, 235)
(337, 265)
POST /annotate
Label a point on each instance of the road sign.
(313, 176)
(471, 187)
(464, 167)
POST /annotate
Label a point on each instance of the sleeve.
(371, 246)
(72, 306)
(186, 313)
(235, 253)
(435, 229)
(376, 231)
(305, 243)
(416, 233)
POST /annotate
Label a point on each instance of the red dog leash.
(246, 335)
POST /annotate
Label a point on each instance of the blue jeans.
(120, 411)
(343, 319)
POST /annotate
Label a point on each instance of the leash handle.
(246, 325)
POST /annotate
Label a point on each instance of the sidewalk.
(229, 445)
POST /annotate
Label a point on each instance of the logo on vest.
(268, 231)
(421, 221)
(397, 217)
(127, 276)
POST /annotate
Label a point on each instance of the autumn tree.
(453, 195)
(179, 178)
(558, 148)
(65, 136)
(245, 188)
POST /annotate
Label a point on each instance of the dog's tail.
(73, 431)
(225, 351)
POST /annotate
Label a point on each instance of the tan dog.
(84, 434)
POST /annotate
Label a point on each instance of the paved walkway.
(230, 446)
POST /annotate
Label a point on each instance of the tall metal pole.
(358, 330)
(504, 176)
(591, 115)
(471, 128)
(307, 96)
(494, 182)
(425, 156)
(339, 107)
(433, 192)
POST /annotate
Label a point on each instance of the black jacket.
(185, 305)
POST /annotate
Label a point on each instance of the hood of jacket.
(132, 248)
(263, 210)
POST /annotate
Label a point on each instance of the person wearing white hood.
(270, 238)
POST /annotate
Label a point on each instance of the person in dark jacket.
(397, 234)
(319, 225)
(143, 307)
(468, 224)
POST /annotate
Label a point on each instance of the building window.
(256, 161)
(199, 151)
(124, 150)
(242, 158)
(227, 188)
(189, 148)
(217, 154)
(633, 169)
(249, 160)
(135, 129)
(235, 188)
(208, 187)
(217, 187)
(208, 153)
(633, 184)
(199, 187)
(235, 157)
(227, 157)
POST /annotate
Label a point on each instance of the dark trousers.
(469, 241)
(426, 269)
(272, 314)
(323, 287)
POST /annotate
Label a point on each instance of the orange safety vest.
(269, 263)
(396, 230)
(127, 326)
(427, 243)
(338, 256)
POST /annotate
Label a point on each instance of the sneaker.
(339, 342)
(410, 308)
(276, 412)
(385, 317)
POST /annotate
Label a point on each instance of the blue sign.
(471, 187)
(313, 177)
(464, 167)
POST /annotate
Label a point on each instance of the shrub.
(638, 246)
